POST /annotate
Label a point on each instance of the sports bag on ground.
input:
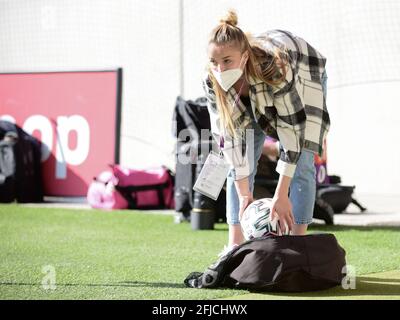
(151, 188)
(189, 118)
(338, 196)
(277, 263)
(7, 169)
(124, 188)
(102, 193)
(20, 165)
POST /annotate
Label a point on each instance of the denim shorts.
(302, 186)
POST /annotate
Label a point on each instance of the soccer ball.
(256, 220)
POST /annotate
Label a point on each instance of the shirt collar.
(254, 81)
(231, 95)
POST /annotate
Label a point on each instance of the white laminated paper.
(212, 176)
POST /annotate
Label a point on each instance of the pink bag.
(151, 188)
(102, 194)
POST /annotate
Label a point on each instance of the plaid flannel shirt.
(294, 112)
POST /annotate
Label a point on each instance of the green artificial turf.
(377, 286)
(136, 255)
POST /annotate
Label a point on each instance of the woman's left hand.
(244, 202)
(282, 209)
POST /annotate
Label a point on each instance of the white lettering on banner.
(65, 124)
(6, 117)
(42, 124)
(64, 154)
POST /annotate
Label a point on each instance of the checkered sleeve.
(234, 149)
(290, 124)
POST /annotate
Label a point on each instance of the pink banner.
(76, 116)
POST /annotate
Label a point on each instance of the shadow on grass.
(153, 284)
(131, 284)
(365, 286)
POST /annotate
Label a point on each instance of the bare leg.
(235, 234)
(299, 229)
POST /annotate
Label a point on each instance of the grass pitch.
(95, 254)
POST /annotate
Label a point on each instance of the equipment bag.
(151, 188)
(339, 197)
(190, 117)
(20, 165)
(7, 170)
(102, 193)
(277, 263)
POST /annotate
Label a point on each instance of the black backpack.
(332, 199)
(7, 168)
(20, 165)
(277, 263)
(193, 116)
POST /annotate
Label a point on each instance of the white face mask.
(228, 78)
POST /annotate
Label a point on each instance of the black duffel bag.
(277, 263)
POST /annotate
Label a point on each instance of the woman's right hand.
(244, 194)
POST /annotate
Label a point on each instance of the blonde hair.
(268, 66)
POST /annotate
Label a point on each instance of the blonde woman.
(274, 84)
